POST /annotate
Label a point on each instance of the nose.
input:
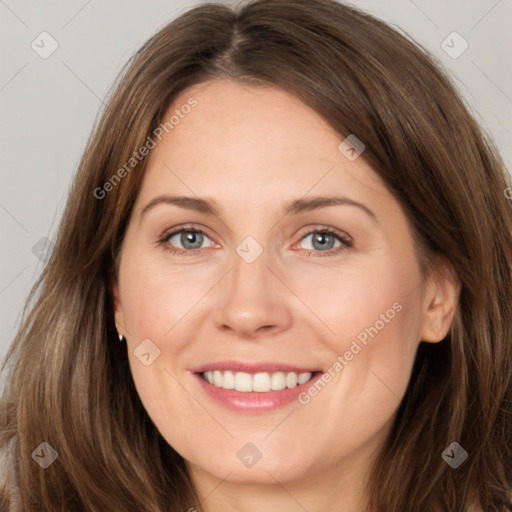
(252, 300)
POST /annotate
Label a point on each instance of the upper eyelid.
(172, 232)
(341, 235)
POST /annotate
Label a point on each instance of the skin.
(253, 150)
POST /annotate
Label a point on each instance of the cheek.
(156, 298)
(377, 352)
(373, 353)
(155, 303)
(375, 314)
(356, 297)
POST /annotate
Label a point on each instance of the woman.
(337, 335)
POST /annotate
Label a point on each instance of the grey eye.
(321, 241)
(189, 239)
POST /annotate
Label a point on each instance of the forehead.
(254, 135)
(262, 121)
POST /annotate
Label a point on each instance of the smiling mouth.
(261, 382)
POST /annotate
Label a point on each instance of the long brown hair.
(68, 379)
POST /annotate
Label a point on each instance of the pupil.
(191, 237)
(321, 238)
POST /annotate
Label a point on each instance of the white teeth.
(217, 378)
(243, 382)
(258, 382)
(291, 380)
(303, 378)
(261, 382)
(228, 380)
(279, 381)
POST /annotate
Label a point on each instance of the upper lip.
(253, 367)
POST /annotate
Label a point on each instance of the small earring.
(121, 337)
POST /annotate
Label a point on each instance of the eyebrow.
(211, 207)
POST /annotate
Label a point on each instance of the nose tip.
(251, 301)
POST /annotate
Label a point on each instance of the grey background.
(48, 106)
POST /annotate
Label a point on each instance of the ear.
(440, 302)
(118, 310)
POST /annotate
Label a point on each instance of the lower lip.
(254, 402)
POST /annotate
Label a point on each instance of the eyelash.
(346, 242)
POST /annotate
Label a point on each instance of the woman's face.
(261, 294)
